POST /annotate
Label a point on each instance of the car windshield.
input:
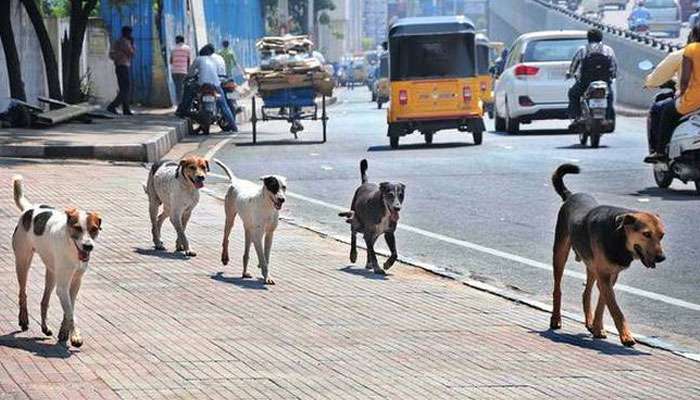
(434, 56)
(659, 3)
(552, 50)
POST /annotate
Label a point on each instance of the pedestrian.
(121, 53)
(179, 64)
(230, 59)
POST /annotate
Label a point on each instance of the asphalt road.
(497, 196)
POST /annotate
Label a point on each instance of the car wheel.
(512, 124)
(428, 137)
(478, 137)
(498, 122)
(697, 187)
(394, 142)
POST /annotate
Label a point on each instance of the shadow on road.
(535, 132)
(586, 341)
(578, 146)
(421, 146)
(249, 283)
(361, 271)
(160, 254)
(668, 194)
(283, 142)
(39, 346)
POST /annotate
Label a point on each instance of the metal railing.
(620, 32)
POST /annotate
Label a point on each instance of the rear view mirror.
(645, 65)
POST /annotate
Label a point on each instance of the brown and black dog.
(607, 239)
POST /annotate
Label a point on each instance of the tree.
(80, 10)
(50, 63)
(14, 71)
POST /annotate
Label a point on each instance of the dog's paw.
(555, 323)
(379, 271)
(627, 340)
(24, 325)
(76, 340)
(269, 281)
(224, 259)
(63, 334)
(353, 256)
(246, 275)
(190, 253)
(46, 331)
(23, 320)
(598, 333)
(159, 246)
(389, 263)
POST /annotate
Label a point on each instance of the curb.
(626, 111)
(150, 151)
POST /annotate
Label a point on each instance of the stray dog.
(64, 240)
(258, 206)
(374, 211)
(175, 186)
(607, 239)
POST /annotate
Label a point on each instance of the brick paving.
(157, 326)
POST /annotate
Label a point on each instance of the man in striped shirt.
(179, 64)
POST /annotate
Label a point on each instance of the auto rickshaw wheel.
(478, 137)
(428, 136)
(394, 142)
(379, 105)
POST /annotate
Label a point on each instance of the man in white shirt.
(207, 70)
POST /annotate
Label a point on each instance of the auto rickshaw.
(483, 62)
(433, 78)
(381, 84)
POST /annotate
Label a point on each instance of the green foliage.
(367, 43)
(61, 8)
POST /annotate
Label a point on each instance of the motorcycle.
(594, 121)
(232, 96)
(683, 150)
(638, 25)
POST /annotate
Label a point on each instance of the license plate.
(233, 95)
(598, 103)
(208, 98)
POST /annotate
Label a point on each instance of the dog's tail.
(558, 181)
(21, 201)
(363, 171)
(226, 169)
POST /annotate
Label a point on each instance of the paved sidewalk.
(159, 326)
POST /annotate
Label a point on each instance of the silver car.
(665, 17)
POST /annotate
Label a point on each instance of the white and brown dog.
(258, 207)
(64, 240)
(175, 186)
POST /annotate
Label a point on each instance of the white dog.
(175, 186)
(64, 240)
(258, 206)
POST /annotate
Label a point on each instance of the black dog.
(374, 211)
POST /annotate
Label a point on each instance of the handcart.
(291, 105)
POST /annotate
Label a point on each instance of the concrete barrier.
(509, 19)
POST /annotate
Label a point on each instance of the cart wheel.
(324, 117)
(254, 121)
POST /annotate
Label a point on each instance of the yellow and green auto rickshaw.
(433, 78)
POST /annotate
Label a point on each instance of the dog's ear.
(180, 167)
(94, 222)
(624, 220)
(72, 216)
(384, 186)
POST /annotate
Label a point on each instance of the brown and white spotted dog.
(607, 239)
(64, 241)
(176, 186)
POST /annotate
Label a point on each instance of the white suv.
(533, 85)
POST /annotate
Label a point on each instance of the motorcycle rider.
(640, 13)
(585, 68)
(206, 68)
(670, 112)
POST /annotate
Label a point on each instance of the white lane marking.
(507, 147)
(512, 257)
(326, 167)
(313, 154)
(216, 148)
(643, 200)
(572, 160)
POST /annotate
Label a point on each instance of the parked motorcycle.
(683, 151)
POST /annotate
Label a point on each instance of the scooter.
(232, 96)
(594, 121)
(683, 151)
(203, 110)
